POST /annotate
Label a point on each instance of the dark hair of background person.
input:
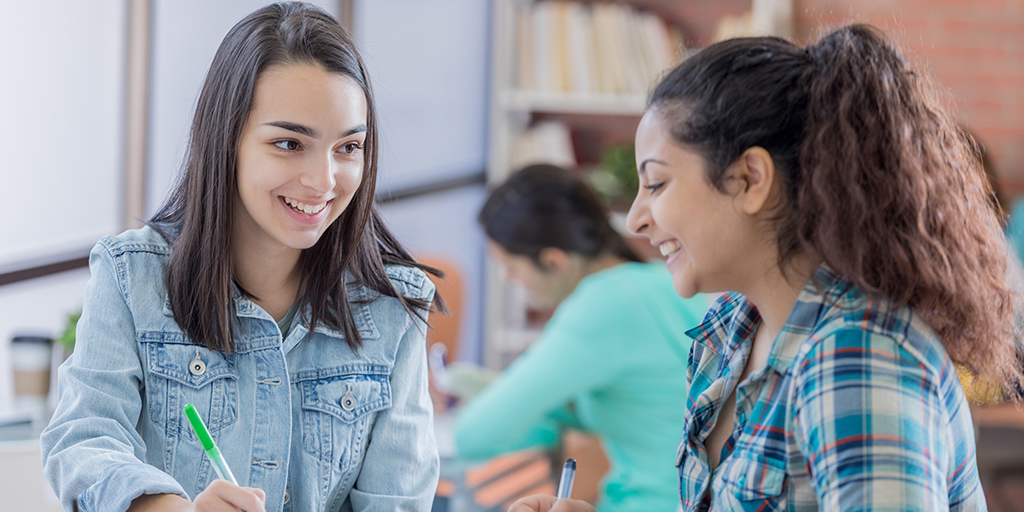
(877, 179)
(200, 273)
(544, 206)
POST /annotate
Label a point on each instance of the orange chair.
(446, 328)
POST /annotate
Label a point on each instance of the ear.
(553, 259)
(756, 170)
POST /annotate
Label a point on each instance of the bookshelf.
(585, 66)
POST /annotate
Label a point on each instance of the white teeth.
(669, 248)
(303, 207)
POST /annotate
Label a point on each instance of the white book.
(657, 41)
(578, 56)
(541, 47)
(523, 79)
(610, 39)
(635, 72)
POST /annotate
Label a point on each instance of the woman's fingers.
(545, 503)
(224, 496)
(535, 503)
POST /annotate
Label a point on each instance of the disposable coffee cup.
(30, 364)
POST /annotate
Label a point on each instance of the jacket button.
(197, 366)
(348, 402)
(287, 497)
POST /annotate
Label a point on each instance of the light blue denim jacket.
(315, 425)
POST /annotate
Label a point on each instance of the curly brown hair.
(878, 181)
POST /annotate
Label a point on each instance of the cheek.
(348, 179)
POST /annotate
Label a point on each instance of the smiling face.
(702, 231)
(300, 157)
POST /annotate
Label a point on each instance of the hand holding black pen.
(560, 503)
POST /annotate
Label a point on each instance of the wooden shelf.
(567, 103)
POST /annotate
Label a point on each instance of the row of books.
(591, 48)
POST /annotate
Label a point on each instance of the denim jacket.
(314, 424)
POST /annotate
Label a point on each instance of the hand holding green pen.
(221, 467)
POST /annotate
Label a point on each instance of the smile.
(308, 209)
(669, 247)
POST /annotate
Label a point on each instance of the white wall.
(61, 90)
(428, 62)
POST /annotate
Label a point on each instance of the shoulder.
(622, 288)
(872, 331)
(142, 240)
(410, 282)
(628, 276)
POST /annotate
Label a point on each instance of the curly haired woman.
(830, 193)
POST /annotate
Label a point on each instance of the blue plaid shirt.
(858, 408)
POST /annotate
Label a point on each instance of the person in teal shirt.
(611, 361)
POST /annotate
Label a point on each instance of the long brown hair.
(197, 217)
(877, 179)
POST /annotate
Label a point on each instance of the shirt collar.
(733, 319)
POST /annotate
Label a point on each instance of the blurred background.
(96, 97)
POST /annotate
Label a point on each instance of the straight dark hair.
(878, 180)
(545, 206)
(197, 218)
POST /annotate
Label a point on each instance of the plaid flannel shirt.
(858, 408)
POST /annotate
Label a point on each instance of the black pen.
(568, 475)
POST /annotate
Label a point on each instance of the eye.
(288, 144)
(654, 187)
(351, 148)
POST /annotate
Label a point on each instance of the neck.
(580, 267)
(601, 262)
(776, 292)
(272, 276)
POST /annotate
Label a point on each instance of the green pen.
(221, 467)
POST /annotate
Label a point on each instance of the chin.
(685, 290)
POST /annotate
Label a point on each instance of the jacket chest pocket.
(190, 374)
(338, 410)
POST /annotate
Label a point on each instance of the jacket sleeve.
(92, 451)
(401, 465)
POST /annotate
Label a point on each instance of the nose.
(318, 174)
(638, 220)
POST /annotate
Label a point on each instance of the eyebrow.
(310, 132)
(643, 165)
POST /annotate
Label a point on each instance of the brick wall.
(973, 47)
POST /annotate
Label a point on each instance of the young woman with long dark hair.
(829, 191)
(268, 294)
(611, 360)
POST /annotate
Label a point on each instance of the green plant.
(615, 177)
(67, 340)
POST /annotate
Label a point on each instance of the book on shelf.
(591, 48)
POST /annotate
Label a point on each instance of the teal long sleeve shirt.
(615, 349)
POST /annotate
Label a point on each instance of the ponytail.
(877, 179)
